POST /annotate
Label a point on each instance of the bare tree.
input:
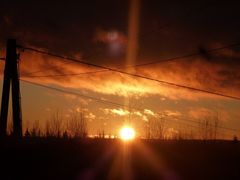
(77, 125)
(56, 124)
(149, 129)
(204, 128)
(216, 125)
(209, 127)
(35, 131)
(48, 132)
(160, 127)
(155, 128)
(53, 126)
(27, 133)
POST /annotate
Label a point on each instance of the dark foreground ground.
(56, 159)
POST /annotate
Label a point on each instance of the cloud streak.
(212, 76)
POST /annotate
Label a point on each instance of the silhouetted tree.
(216, 125)
(27, 133)
(65, 134)
(77, 125)
(56, 124)
(160, 127)
(35, 131)
(235, 138)
(209, 127)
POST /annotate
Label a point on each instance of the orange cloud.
(200, 113)
(172, 113)
(120, 112)
(196, 72)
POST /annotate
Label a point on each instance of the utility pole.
(11, 79)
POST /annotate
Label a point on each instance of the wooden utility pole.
(11, 78)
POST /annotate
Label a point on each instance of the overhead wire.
(45, 69)
(61, 75)
(144, 64)
(138, 65)
(145, 77)
(210, 125)
(189, 55)
(112, 103)
(75, 93)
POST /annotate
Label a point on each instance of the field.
(72, 159)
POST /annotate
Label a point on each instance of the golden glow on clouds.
(120, 112)
(117, 84)
(149, 112)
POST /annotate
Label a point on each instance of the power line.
(110, 102)
(76, 94)
(60, 75)
(221, 127)
(160, 81)
(39, 71)
(45, 69)
(189, 55)
(138, 65)
(140, 76)
(144, 77)
(197, 127)
(148, 63)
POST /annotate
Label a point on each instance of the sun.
(127, 133)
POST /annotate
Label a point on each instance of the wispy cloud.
(149, 112)
(120, 112)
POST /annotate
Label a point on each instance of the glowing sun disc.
(127, 133)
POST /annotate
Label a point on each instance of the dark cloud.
(167, 29)
(64, 27)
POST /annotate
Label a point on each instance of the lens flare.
(127, 133)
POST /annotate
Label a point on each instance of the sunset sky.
(117, 35)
